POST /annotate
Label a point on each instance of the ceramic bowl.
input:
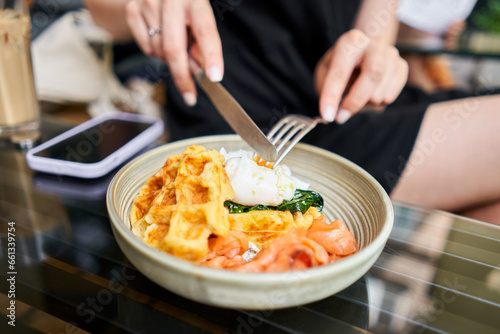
(350, 194)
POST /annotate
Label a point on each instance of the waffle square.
(183, 204)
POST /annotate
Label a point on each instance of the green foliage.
(302, 200)
(488, 16)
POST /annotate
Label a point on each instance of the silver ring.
(152, 31)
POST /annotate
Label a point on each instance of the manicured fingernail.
(329, 113)
(343, 115)
(189, 98)
(214, 74)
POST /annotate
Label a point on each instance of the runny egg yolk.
(262, 163)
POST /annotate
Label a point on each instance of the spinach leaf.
(301, 201)
(240, 208)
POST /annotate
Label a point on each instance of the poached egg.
(253, 184)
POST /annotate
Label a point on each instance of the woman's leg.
(487, 212)
(455, 164)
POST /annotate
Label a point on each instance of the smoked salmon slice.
(226, 252)
(335, 237)
(298, 249)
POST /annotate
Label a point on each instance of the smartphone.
(97, 146)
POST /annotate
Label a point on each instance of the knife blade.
(234, 114)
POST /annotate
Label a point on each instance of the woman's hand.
(382, 75)
(175, 24)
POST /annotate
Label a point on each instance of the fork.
(288, 132)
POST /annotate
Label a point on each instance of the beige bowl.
(350, 194)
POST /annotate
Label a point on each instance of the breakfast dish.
(350, 194)
(220, 209)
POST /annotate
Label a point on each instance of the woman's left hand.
(382, 75)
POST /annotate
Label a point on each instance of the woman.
(333, 57)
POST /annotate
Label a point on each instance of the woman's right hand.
(184, 23)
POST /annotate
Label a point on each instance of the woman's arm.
(110, 15)
(378, 19)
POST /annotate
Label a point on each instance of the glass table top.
(439, 273)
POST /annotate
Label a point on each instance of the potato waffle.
(262, 227)
(183, 204)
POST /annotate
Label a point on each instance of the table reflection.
(436, 271)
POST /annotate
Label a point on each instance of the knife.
(234, 114)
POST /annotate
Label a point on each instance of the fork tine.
(292, 131)
(277, 126)
(276, 133)
(291, 144)
(283, 131)
(289, 130)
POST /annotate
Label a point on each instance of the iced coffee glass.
(19, 108)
